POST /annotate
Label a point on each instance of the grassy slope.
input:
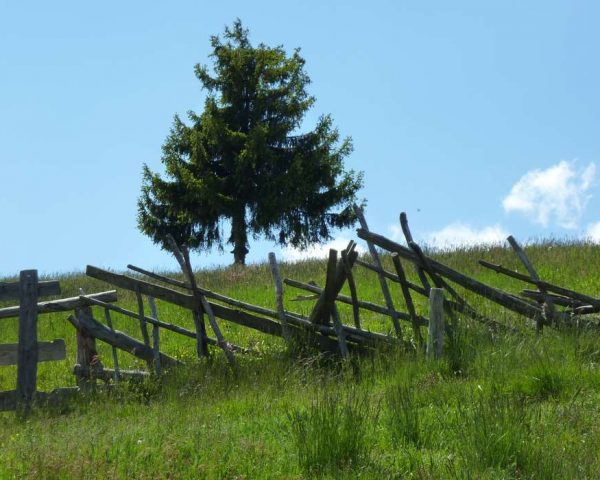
(519, 407)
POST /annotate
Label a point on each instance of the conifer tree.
(243, 161)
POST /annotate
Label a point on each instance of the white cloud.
(291, 254)
(592, 232)
(396, 232)
(558, 194)
(458, 234)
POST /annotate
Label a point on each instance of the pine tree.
(243, 160)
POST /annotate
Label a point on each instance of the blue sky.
(478, 119)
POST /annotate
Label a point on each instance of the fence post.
(27, 353)
(435, 339)
(87, 355)
(285, 329)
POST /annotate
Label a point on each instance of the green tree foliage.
(243, 160)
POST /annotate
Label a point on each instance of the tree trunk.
(239, 238)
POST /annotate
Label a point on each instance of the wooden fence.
(28, 352)
(324, 328)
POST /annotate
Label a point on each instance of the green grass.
(496, 406)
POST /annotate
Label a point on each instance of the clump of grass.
(331, 434)
(461, 350)
(494, 429)
(403, 417)
(542, 379)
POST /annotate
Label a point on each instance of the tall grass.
(498, 405)
(331, 434)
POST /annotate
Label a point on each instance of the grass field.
(497, 406)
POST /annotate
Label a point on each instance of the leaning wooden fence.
(324, 328)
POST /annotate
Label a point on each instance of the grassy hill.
(497, 406)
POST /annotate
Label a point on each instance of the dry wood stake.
(384, 288)
(372, 307)
(28, 344)
(155, 337)
(394, 278)
(167, 326)
(279, 299)
(183, 258)
(95, 329)
(87, 354)
(435, 339)
(535, 277)
(565, 292)
(409, 238)
(408, 299)
(352, 286)
(143, 326)
(341, 335)
(494, 294)
(115, 355)
(63, 305)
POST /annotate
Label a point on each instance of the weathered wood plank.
(158, 323)
(62, 305)
(108, 374)
(10, 291)
(435, 339)
(143, 326)
(9, 399)
(87, 353)
(389, 275)
(340, 278)
(27, 350)
(119, 339)
(155, 337)
(382, 283)
(409, 238)
(353, 290)
(115, 354)
(549, 310)
(339, 331)
(556, 299)
(408, 299)
(47, 352)
(159, 277)
(565, 292)
(235, 315)
(361, 303)
(183, 257)
(323, 308)
(491, 293)
(285, 329)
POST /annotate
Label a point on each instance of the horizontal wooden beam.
(581, 297)
(240, 317)
(47, 352)
(491, 293)
(62, 305)
(10, 291)
(9, 399)
(153, 321)
(118, 339)
(373, 307)
(107, 374)
(391, 276)
(557, 299)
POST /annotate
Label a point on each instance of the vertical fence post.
(115, 355)
(27, 351)
(87, 354)
(285, 330)
(435, 339)
(155, 337)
